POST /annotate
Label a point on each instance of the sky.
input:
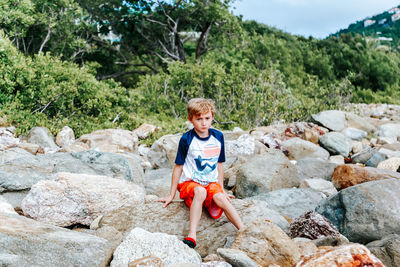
(316, 18)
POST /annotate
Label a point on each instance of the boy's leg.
(196, 208)
(222, 201)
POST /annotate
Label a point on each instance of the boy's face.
(202, 123)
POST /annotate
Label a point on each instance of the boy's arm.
(176, 174)
(220, 168)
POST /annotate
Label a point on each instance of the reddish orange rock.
(347, 175)
(351, 255)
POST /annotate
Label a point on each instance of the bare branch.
(45, 39)
(116, 117)
(167, 52)
(162, 58)
(118, 74)
(158, 22)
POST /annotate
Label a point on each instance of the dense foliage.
(58, 61)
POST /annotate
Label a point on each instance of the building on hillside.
(369, 22)
(395, 17)
(382, 21)
(383, 38)
(394, 10)
(190, 36)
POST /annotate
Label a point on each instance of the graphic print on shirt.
(206, 164)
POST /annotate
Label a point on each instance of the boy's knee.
(219, 198)
(200, 192)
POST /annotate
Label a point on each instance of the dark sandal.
(190, 242)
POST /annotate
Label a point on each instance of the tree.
(40, 26)
(153, 33)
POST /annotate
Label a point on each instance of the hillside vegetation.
(380, 27)
(90, 66)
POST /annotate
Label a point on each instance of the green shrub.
(45, 91)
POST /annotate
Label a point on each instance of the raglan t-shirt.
(200, 156)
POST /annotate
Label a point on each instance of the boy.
(198, 173)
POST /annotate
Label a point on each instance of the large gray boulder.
(6, 207)
(354, 134)
(315, 168)
(358, 122)
(21, 172)
(299, 148)
(42, 137)
(266, 244)
(365, 212)
(140, 243)
(320, 185)
(387, 250)
(108, 164)
(211, 234)
(243, 146)
(106, 140)
(162, 153)
(25, 242)
(7, 139)
(363, 156)
(292, 202)
(336, 143)
(236, 257)
(389, 130)
(81, 198)
(65, 137)
(158, 182)
(334, 120)
(264, 173)
(375, 159)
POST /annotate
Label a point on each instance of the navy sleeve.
(182, 150)
(222, 153)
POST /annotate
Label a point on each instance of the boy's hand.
(166, 200)
(229, 196)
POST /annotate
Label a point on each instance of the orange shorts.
(186, 190)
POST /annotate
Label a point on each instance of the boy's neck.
(203, 135)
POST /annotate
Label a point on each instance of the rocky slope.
(318, 193)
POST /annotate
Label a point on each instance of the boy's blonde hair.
(199, 106)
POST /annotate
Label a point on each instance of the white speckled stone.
(140, 243)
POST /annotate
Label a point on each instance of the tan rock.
(213, 257)
(386, 140)
(338, 159)
(311, 136)
(358, 122)
(321, 185)
(145, 130)
(212, 234)
(163, 151)
(108, 140)
(305, 245)
(259, 147)
(148, 261)
(81, 198)
(392, 164)
(346, 255)
(266, 244)
(65, 137)
(357, 146)
(32, 243)
(394, 147)
(31, 148)
(347, 175)
(6, 207)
